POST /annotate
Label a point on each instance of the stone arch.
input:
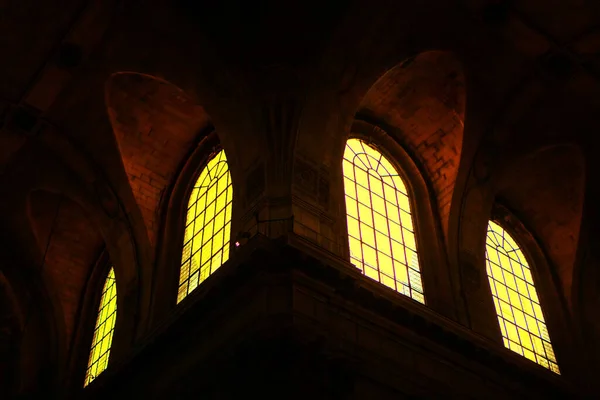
(420, 104)
(70, 246)
(557, 318)
(438, 281)
(423, 100)
(141, 39)
(41, 170)
(420, 101)
(527, 186)
(88, 314)
(174, 214)
(162, 134)
(546, 188)
(155, 125)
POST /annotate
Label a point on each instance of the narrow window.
(380, 225)
(103, 333)
(517, 304)
(208, 225)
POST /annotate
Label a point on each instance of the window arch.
(208, 225)
(515, 297)
(104, 329)
(381, 232)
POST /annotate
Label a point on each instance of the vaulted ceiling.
(131, 87)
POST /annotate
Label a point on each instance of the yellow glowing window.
(380, 226)
(208, 225)
(105, 326)
(515, 297)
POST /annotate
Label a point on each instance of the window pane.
(210, 245)
(103, 332)
(382, 214)
(517, 304)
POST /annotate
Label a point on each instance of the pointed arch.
(516, 300)
(104, 329)
(155, 124)
(381, 231)
(208, 225)
(423, 99)
(71, 244)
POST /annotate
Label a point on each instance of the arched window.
(380, 226)
(515, 297)
(103, 332)
(208, 225)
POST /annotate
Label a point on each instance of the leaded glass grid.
(381, 233)
(515, 297)
(103, 332)
(208, 225)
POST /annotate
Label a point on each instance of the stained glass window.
(103, 333)
(517, 304)
(380, 225)
(208, 225)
